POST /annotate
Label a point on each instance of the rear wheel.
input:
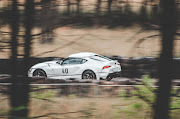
(88, 74)
(39, 73)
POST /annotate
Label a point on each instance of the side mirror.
(59, 62)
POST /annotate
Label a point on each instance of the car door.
(57, 69)
(71, 66)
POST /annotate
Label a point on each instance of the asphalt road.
(5, 78)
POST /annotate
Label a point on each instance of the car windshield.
(100, 58)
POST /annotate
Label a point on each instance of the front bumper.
(30, 72)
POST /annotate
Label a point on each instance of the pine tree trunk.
(19, 96)
(168, 30)
(14, 46)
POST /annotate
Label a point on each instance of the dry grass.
(119, 41)
(94, 108)
(74, 107)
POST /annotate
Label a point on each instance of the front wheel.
(88, 74)
(39, 73)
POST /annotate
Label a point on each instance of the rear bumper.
(106, 75)
(114, 75)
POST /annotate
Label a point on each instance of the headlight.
(30, 70)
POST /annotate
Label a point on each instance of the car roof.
(82, 54)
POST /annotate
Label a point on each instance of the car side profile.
(82, 65)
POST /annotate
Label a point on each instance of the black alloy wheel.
(39, 73)
(88, 74)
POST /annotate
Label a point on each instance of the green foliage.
(19, 108)
(43, 94)
(88, 112)
(48, 94)
(173, 91)
(137, 106)
(175, 101)
(175, 104)
(133, 108)
(123, 93)
(72, 96)
(145, 91)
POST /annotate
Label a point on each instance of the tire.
(39, 73)
(88, 74)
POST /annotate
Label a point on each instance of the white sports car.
(78, 66)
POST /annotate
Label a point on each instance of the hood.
(44, 64)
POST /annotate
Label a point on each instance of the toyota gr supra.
(82, 65)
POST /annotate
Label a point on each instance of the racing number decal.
(65, 70)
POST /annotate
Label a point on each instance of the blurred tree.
(14, 45)
(109, 6)
(46, 14)
(168, 31)
(68, 7)
(98, 7)
(50, 19)
(78, 7)
(19, 91)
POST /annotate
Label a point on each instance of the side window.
(72, 61)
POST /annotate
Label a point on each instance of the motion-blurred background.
(122, 28)
(110, 27)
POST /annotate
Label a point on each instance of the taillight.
(105, 67)
(118, 63)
